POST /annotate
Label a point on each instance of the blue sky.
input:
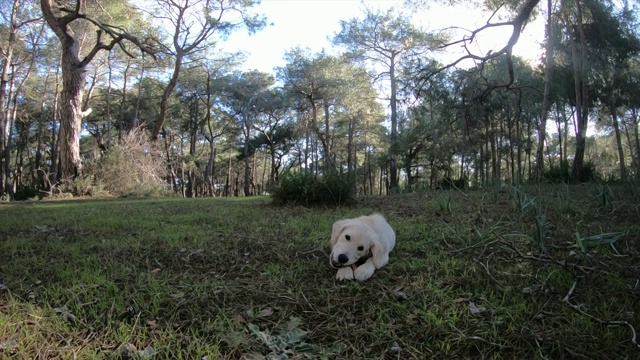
(310, 24)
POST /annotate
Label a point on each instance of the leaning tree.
(70, 22)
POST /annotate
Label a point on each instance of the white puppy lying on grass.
(361, 245)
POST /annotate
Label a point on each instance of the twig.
(486, 269)
(567, 299)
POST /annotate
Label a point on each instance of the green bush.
(561, 173)
(304, 188)
(558, 173)
(448, 183)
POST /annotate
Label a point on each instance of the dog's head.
(352, 242)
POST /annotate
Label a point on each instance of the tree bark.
(4, 81)
(393, 151)
(74, 75)
(548, 76)
(247, 158)
(616, 127)
(164, 101)
(582, 117)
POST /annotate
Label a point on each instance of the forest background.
(111, 97)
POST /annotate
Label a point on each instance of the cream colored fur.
(367, 237)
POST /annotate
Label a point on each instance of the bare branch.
(517, 23)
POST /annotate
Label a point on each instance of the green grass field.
(513, 273)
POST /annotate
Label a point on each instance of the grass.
(242, 278)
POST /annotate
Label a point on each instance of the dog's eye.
(348, 237)
(360, 248)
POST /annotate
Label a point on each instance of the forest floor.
(508, 272)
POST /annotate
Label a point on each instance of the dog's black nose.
(342, 258)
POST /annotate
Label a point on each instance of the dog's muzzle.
(342, 260)
(335, 264)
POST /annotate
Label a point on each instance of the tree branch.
(517, 23)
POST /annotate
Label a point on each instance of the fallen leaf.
(475, 310)
(147, 352)
(399, 294)
(237, 319)
(9, 343)
(531, 289)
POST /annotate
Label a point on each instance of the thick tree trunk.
(582, 117)
(73, 81)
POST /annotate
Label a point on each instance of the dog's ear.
(338, 226)
(379, 254)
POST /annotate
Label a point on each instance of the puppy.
(361, 245)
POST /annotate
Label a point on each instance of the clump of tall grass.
(305, 188)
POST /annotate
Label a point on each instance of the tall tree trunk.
(9, 115)
(108, 100)
(636, 133)
(55, 135)
(579, 73)
(123, 99)
(350, 165)
(616, 127)
(393, 150)
(166, 94)
(193, 139)
(548, 76)
(227, 187)
(136, 118)
(247, 158)
(7, 57)
(559, 129)
(73, 81)
(519, 170)
(512, 154)
(326, 139)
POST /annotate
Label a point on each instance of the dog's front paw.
(345, 273)
(364, 271)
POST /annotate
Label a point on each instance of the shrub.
(304, 188)
(132, 167)
(558, 173)
(561, 173)
(448, 183)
